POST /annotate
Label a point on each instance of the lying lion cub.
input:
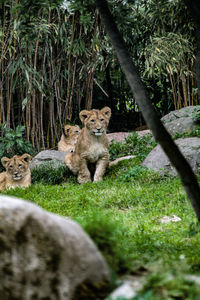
(69, 138)
(17, 172)
(91, 147)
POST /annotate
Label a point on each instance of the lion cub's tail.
(114, 162)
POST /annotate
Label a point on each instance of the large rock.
(158, 161)
(117, 136)
(54, 158)
(182, 120)
(180, 126)
(185, 112)
(121, 136)
(44, 256)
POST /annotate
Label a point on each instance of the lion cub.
(91, 147)
(17, 172)
(69, 138)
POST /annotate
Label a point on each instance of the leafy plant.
(170, 286)
(134, 173)
(13, 143)
(133, 145)
(194, 132)
(196, 115)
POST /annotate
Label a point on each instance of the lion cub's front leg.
(101, 166)
(2, 181)
(83, 173)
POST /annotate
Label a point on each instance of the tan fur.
(17, 172)
(69, 138)
(92, 146)
(115, 162)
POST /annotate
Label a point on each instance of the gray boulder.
(44, 256)
(185, 112)
(158, 161)
(180, 126)
(182, 120)
(53, 158)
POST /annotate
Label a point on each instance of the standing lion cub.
(69, 138)
(91, 147)
(17, 172)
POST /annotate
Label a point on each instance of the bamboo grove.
(46, 74)
(50, 66)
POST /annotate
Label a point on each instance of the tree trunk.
(161, 135)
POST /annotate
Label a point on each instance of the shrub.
(196, 114)
(169, 285)
(13, 143)
(133, 145)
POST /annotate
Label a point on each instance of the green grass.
(122, 214)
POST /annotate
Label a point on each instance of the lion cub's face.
(16, 166)
(72, 131)
(96, 121)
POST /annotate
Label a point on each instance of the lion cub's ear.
(106, 111)
(5, 161)
(67, 129)
(84, 114)
(26, 157)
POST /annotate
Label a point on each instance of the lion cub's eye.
(20, 165)
(102, 120)
(10, 166)
(92, 121)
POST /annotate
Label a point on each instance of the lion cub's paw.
(84, 179)
(98, 178)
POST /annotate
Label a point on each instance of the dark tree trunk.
(187, 176)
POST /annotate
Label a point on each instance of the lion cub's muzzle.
(98, 131)
(17, 176)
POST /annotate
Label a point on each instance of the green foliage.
(134, 173)
(133, 145)
(166, 52)
(169, 54)
(107, 233)
(196, 115)
(48, 174)
(194, 132)
(170, 285)
(13, 143)
(72, 35)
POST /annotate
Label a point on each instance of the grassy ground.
(123, 216)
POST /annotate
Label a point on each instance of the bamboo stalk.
(34, 95)
(179, 94)
(183, 81)
(69, 67)
(72, 87)
(173, 90)
(188, 90)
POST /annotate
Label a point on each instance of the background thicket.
(56, 60)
